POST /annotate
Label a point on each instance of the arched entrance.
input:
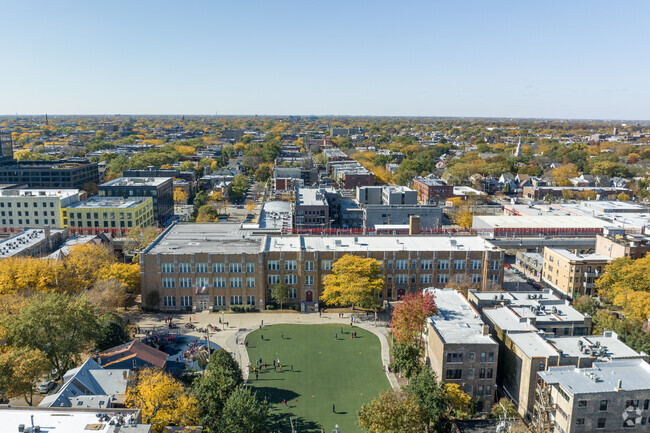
(309, 296)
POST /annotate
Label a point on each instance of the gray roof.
(457, 321)
(197, 238)
(137, 181)
(634, 375)
(89, 386)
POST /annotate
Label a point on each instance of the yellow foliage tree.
(86, 263)
(589, 194)
(354, 281)
(216, 196)
(185, 150)
(562, 174)
(464, 218)
(626, 284)
(127, 274)
(162, 400)
(459, 400)
(623, 197)
(180, 196)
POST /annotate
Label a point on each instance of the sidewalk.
(240, 324)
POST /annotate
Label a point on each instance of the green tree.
(239, 185)
(243, 412)
(504, 403)
(60, 325)
(112, 332)
(262, 174)
(354, 281)
(222, 377)
(392, 412)
(406, 358)
(430, 396)
(280, 292)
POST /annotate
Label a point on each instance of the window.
(459, 265)
(250, 267)
(425, 279)
(185, 268)
(201, 268)
(476, 278)
(633, 403)
(202, 282)
(273, 280)
(489, 373)
(235, 300)
(481, 373)
(293, 293)
(309, 280)
(250, 300)
(326, 265)
(494, 278)
(290, 265)
(483, 357)
(250, 282)
(480, 390)
(580, 421)
(218, 268)
(168, 283)
(389, 265)
(167, 268)
(169, 301)
(186, 301)
(291, 279)
(219, 282)
(426, 265)
(582, 403)
(401, 279)
(469, 389)
(494, 265)
(274, 265)
(491, 357)
(401, 265)
(219, 301)
(471, 356)
(443, 264)
(488, 390)
(235, 282)
(601, 423)
(414, 264)
(442, 278)
(454, 374)
(234, 268)
(603, 405)
(476, 264)
(646, 404)
(644, 421)
(185, 283)
(454, 357)
(309, 266)
(470, 372)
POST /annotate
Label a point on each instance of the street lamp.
(336, 429)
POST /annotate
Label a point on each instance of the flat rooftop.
(378, 243)
(542, 311)
(457, 321)
(545, 221)
(137, 181)
(606, 346)
(312, 196)
(195, 238)
(580, 257)
(602, 377)
(33, 192)
(507, 320)
(17, 244)
(429, 181)
(109, 203)
(68, 420)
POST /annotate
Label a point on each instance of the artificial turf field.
(344, 372)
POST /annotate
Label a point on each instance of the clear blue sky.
(544, 58)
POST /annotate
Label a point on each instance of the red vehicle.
(506, 266)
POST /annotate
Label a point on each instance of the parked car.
(46, 386)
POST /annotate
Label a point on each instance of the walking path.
(241, 324)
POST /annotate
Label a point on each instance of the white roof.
(457, 321)
(547, 221)
(16, 244)
(580, 257)
(66, 420)
(634, 375)
(378, 243)
(35, 192)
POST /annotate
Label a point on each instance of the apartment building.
(33, 207)
(114, 214)
(207, 251)
(65, 174)
(460, 349)
(527, 353)
(634, 246)
(432, 190)
(160, 189)
(312, 208)
(394, 205)
(609, 396)
(572, 274)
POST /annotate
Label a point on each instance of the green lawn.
(344, 372)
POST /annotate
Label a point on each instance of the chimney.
(414, 225)
(485, 330)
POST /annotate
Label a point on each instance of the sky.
(584, 59)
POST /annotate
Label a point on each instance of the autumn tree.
(86, 262)
(180, 196)
(392, 412)
(162, 400)
(410, 315)
(498, 409)
(589, 194)
(108, 294)
(127, 274)
(60, 325)
(623, 197)
(21, 370)
(263, 173)
(459, 401)
(354, 281)
(626, 284)
(280, 293)
(563, 173)
(429, 393)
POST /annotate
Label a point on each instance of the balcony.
(591, 274)
(587, 285)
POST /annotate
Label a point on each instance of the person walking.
(256, 375)
(285, 402)
(292, 368)
(283, 335)
(335, 336)
(262, 337)
(333, 408)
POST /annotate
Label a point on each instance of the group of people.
(261, 367)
